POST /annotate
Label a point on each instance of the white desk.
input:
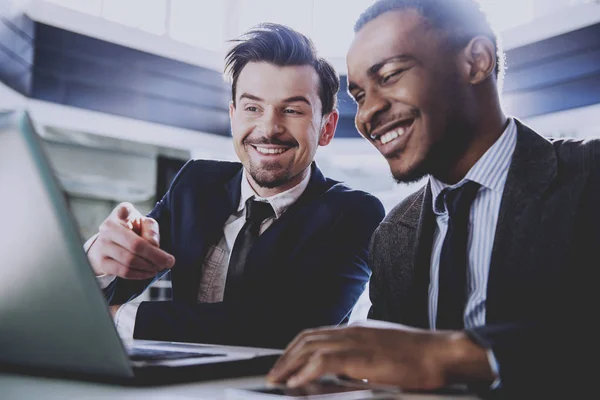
(31, 388)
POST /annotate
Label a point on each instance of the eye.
(387, 77)
(251, 109)
(291, 111)
(359, 97)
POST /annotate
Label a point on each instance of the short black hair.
(462, 20)
(282, 46)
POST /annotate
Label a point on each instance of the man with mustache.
(484, 276)
(257, 250)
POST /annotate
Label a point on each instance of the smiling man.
(486, 275)
(257, 250)
(276, 160)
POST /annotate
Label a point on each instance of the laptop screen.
(53, 313)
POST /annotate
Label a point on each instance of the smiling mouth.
(270, 150)
(392, 131)
(388, 137)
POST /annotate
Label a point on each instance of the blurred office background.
(123, 92)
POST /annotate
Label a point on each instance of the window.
(329, 23)
(198, 22)
(148, 15)
(93, 7)
(506, 14)
(297, 15)
(334, 25)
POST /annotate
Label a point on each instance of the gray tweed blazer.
(542, 267)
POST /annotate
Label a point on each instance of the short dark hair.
(282, 46)
(462, 20)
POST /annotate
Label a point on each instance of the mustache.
(270, 140)
(383, 119)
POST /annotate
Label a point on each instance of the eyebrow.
(250, 97)
(292, 99)
(374, 69)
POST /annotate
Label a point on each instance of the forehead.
(402, 32)
(272, 82)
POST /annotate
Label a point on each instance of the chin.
(408, 174)
(269, 180)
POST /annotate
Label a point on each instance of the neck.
(486, 131)
(266, 192)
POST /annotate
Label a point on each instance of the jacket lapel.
(418, 304)
(316, 186)
(264, 246)
(206, 229)
(216, 209)
(407, 236)
(533, 168)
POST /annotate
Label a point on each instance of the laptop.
(54, 319)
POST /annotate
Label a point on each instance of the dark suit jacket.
(307, 269)
(539, 305)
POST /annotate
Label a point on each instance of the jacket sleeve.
(120, 291)
(555, 351)
(328, 274)
(543, 357)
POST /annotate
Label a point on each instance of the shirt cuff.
(105, 280)
(125, 320)
(89, 243)
(495, 369)
(492, 361)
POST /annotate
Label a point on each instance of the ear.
(478, 60)
(328, 127)
(231, 109)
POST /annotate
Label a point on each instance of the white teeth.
(264, 150)
(388, 137)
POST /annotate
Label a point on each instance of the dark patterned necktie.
(256, 213)
(452, 295)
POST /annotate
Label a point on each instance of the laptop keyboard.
(146, 354)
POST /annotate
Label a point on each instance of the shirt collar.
(490, 170)
(280, 202)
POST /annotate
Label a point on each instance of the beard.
(415, 174)
(442, 154)
(455, 135)
(271, 174)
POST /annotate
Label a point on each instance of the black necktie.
(452, 295)
(256, 213)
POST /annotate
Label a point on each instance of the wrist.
(465, 361)
(89, 250)
(93, 260)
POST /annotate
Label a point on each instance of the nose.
(270, 123)
(373, 104)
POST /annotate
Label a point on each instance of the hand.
(409, 358)
(128, 246)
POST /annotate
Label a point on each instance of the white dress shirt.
(490, 171)
(214, 271)
(216, 262)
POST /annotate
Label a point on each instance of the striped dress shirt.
(490, 172)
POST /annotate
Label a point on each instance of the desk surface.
(24, 387)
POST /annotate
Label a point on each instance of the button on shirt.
(214, 269)
(490, 171)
